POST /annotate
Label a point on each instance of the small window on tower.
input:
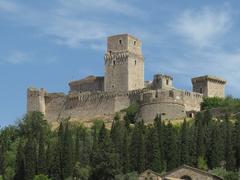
(135, 62)
(167, 81)
(114, 62)
(134, 43)
(120, 41)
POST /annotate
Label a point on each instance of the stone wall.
(192, 101)
(55, 106)
(165, 102)
(216, 89)
(90, 83)
(192, 173)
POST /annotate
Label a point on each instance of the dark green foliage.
(41, 165)
(130, 116)
(30, 154)
(215, 102)
(153, 155)
(229, 151)
(184, 144)
(216, 149)
(31, 148)
(126, 153)
(67, 152)
(106, 161)
(137, 148)
(170, 143)
(20, 165)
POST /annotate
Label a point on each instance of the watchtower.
(161, 81)
(124, 64)
(209, 86)
(36, 100)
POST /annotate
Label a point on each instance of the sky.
(46, 44)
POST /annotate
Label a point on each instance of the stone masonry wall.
(192, 174)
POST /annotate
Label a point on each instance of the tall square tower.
(209, 86)
(124, 64)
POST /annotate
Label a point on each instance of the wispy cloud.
(67, 23)
(203, 27)
(16, 57)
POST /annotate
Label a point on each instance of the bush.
(41, 177)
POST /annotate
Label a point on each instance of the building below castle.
(122, 85)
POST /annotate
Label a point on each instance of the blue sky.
(48, 43)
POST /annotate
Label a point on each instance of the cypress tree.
(159, 126)
(57, 162)
(67, 154)
(200, 150)
(116, 134)
(42, 156)
(20, 167)
(184, 144)
(77, 146)
(216, 150)
(229, 151)
(106, 160)
(137, 148)
(237, 142)
(153, 154)
(30, 155)
(171, 153)
(125, 153)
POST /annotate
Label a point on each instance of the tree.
(106, 161)
(184, 144)
(56, 169)
(236, 142)
(41, 165)
(202, 164)
(20, 166)
(125, 152)
(81, 173)
(30, 155)
(137, 148)
(216, 149)
(171, 153)
(41, 177)
(67, 153)
(229, 151)
(153, 154)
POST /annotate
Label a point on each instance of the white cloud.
(17, 57)
(8, 6)
(66, 23)
(203, 27)
(102, 6)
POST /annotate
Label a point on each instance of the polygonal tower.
(124, 64)
(209, 86)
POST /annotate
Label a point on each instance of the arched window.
(120, 41)
(186, 178)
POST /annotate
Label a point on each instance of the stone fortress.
(122, 85)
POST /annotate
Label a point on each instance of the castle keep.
(122, 85)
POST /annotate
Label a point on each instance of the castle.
(122, 85)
